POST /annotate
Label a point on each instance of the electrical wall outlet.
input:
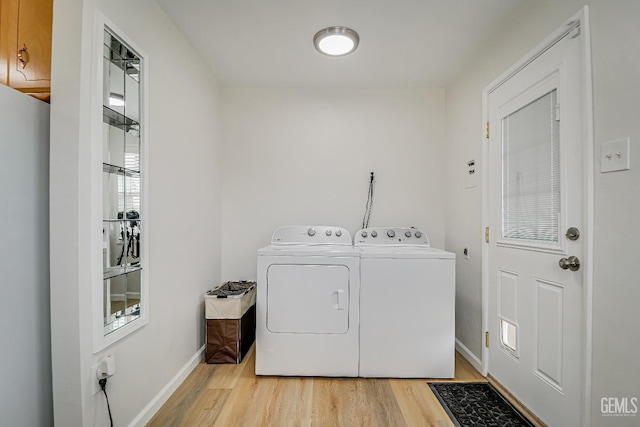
(106, 367)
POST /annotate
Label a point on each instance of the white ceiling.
(403, 43)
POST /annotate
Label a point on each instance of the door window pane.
(531, 172)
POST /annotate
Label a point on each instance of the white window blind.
(531, 172)
(129, 191)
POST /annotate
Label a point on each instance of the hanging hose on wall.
(369, 206)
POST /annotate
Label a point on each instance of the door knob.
(572, 263)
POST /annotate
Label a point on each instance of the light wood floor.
(232, 395)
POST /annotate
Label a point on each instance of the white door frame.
(588, 209)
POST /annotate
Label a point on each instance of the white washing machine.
(407, 298)
(307, 303)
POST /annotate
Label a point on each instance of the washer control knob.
(418, 234)
(407, 233)
(328, 233)
(391, 233)
(374, 233)
(338, 233)
(311, 231)
(363, 234)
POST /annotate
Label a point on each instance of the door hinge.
(486, 339)
(557, 112)
(486, 234)
(486, 130)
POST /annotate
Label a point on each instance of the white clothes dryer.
(407, 298)
(307, 303)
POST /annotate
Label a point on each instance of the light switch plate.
(614, 156)
(470, 180)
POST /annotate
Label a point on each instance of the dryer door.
(308, 299)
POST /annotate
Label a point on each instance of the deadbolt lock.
(573, 233)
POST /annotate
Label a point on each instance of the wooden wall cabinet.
(25, 46)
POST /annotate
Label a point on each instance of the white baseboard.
(156, 403)
(467, 354)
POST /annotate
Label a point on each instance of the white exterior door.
(537, 171)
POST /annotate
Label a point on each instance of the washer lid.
(399, 252)
(309, 250)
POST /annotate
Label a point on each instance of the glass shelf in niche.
(121, 318)
(121, 147)
(114, 118)
(112, 272)
(119, 170)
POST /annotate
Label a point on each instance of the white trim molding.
(469, 356)
(159, 399)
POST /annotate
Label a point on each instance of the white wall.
(183, 219)
(615, 46)
(25, 358)
(303, 156)
(616, 71)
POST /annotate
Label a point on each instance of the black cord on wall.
(369, 206)
(103, 385)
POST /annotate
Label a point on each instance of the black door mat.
(477, 405)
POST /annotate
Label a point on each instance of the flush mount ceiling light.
(336, 41)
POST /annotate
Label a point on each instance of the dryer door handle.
(340, 300)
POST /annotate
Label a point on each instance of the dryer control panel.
(396, 236)
(311, 235)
